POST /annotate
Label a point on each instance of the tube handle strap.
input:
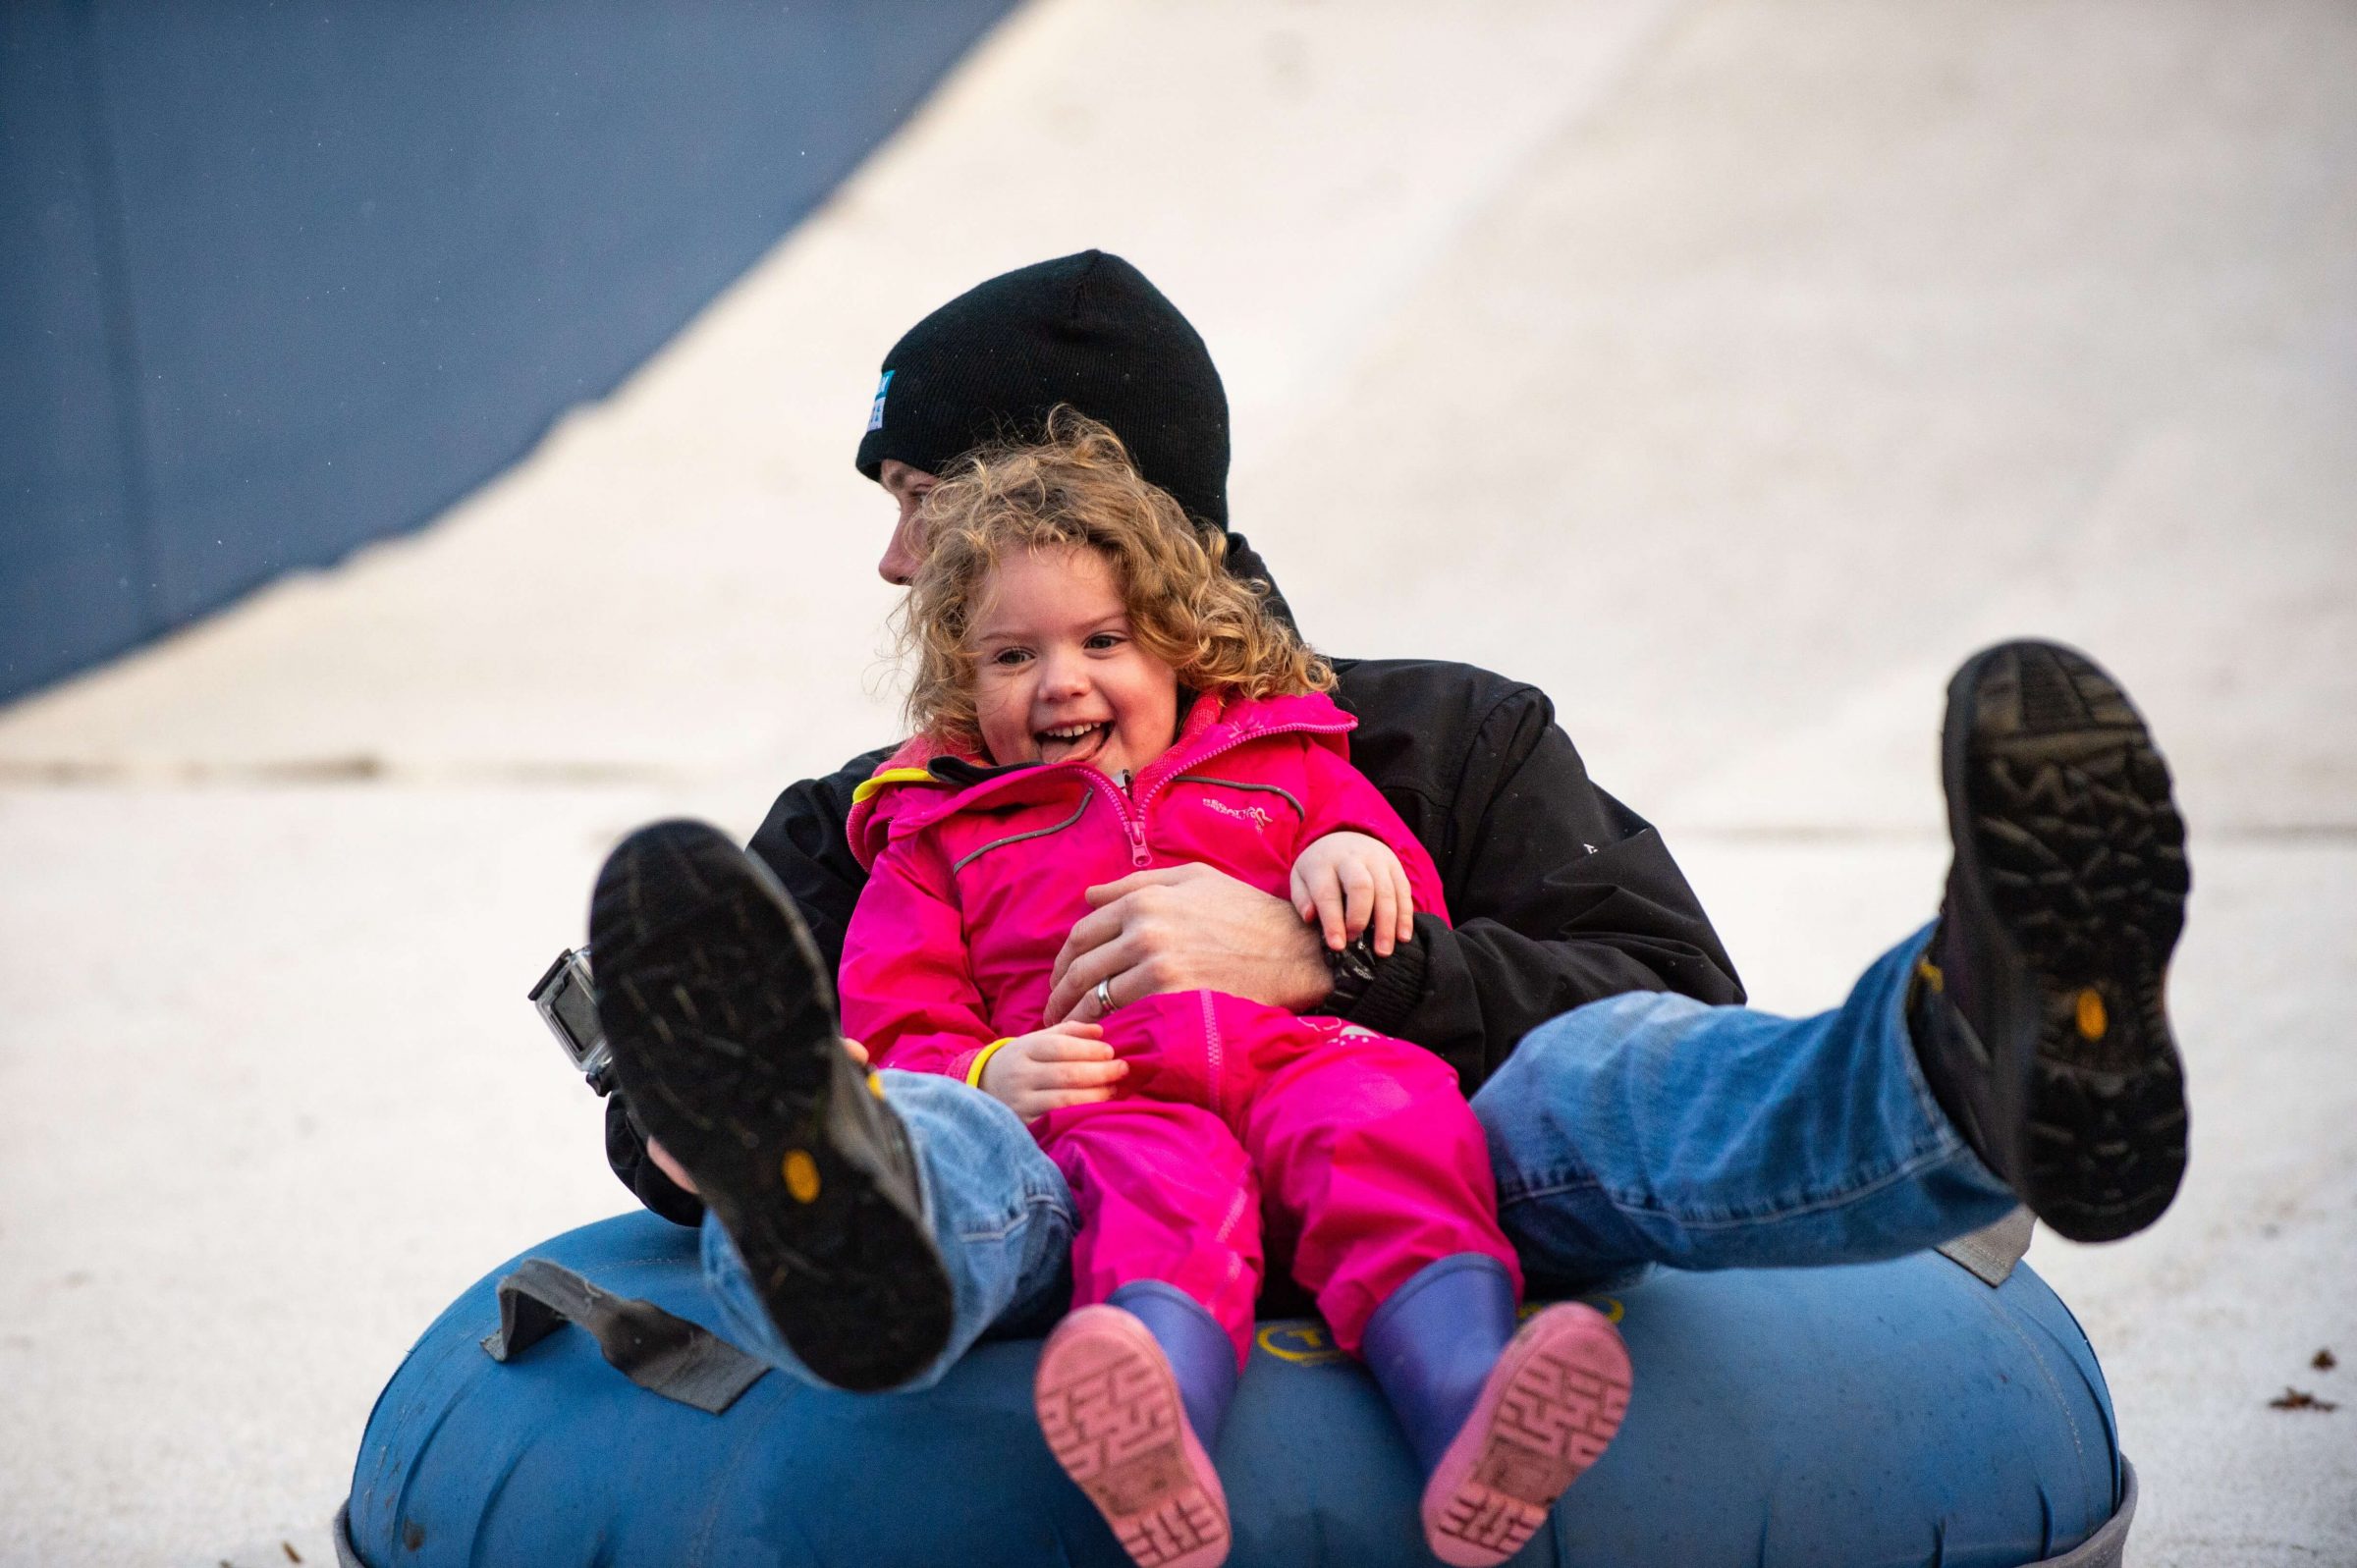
(1990, 1254)
(663, 1354)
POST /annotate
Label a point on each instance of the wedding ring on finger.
(1105, 1002)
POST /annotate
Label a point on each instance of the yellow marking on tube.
(1304, 1344)
(2092, 1020)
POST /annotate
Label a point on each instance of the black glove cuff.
(1378, 993)
(1352, 967)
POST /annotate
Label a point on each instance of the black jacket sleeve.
(802, 841)
(1560, 895)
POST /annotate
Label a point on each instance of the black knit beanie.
(1088, 329)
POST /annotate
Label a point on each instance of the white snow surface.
(1730, 369)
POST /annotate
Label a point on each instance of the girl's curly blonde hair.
(1078, 487)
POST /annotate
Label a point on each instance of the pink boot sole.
(1110, 1410)
(1551, 1405)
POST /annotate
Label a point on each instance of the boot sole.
(722, 1026)
(2070, 844)
(1547, 1413)
(1112, 1417)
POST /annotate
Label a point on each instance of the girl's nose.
(1062, 675)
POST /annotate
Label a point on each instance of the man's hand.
(1065, 1064)
(1187, 928)
(1347, 882)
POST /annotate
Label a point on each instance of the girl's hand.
(1347, 883)
(1068, 1064)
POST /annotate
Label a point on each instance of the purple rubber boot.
(1502, 1421)
(1130, 1395)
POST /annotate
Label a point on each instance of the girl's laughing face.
(1057, 677)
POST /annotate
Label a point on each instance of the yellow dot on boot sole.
(801, 1175)
(2092, 1018)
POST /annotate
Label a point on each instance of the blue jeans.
(1649, 1128)
(1646, 1128)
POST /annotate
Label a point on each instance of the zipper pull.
(1137, 843)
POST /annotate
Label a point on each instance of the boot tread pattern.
(2083, 854)
(1113, 1419)
(704, 962)
(1558, 1412)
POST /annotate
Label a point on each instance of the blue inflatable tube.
(1884, 1413)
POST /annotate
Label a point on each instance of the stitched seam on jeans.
(1815, 1204)
(1552, 1188)
(1942, 1148)
(1008, 1227)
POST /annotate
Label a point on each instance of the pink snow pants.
(1358, 1151)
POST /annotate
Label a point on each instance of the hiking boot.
(2037, 1008)
(722, 1021)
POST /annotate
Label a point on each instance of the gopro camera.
(567, 1002)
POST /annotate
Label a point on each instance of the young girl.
(1095, 695)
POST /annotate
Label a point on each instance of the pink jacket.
(976, 874)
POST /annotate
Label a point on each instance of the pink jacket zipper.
(1134, 827)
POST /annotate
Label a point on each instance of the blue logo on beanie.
(875, 415)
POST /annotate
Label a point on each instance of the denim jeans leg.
(999, 1213)
(1649, 1128)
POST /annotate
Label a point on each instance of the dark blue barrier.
(276, 280)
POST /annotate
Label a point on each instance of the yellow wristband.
(973, 1071)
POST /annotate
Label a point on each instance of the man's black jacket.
(1560, 895)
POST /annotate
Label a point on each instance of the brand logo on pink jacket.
(1255, 815)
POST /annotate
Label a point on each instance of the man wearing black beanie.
(1562, 897)
(1088, 329)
